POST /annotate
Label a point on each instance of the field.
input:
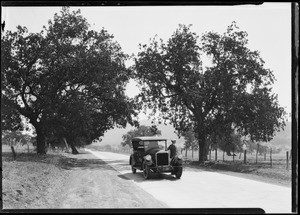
(277, 161)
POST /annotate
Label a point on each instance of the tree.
(69, 81)
(231, 93)
(190, 141)
(15, 139)
(139, 132)
(20, 74)
(230, 143)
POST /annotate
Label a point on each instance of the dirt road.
(204, 189)
(94, 184)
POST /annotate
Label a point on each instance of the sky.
(268, 27)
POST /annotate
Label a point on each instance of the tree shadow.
(225, 166)
(30, 157)
(64, 161)
(83, 163)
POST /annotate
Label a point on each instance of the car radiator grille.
(162, 159)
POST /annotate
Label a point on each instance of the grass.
(274, 170)
(29, 178)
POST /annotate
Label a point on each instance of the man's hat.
(173, 140)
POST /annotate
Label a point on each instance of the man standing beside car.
(172, 148)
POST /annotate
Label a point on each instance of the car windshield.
(149, 144)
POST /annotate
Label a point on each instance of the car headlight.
(148, 157)
(179, 157)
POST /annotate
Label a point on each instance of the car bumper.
(162, 168)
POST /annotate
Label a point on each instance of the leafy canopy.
(142, 130)
(68, 80)
(232, 92)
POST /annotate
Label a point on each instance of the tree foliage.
(140, 131)
(68, 80)
(231, 143)
(15, 138)
(190, 140)
(232, 92)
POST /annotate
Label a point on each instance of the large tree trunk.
(74, 150)
(40, 139)
(203, 151)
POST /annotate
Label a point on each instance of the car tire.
(146, 171)
(132, 168)
(179, 172)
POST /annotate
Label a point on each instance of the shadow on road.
(119, 162)
(138, 177)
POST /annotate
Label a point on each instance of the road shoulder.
(94, 184)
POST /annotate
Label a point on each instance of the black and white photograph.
(148, 107)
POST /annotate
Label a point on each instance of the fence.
(245, 157)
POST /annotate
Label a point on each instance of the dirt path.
(94, 184)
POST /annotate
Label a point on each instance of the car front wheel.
(146, 171)
(179, 172)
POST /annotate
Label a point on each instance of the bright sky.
(268, 27)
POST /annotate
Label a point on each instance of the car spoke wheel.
(179, 172)
(146, 171)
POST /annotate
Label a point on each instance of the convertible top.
(148, 138)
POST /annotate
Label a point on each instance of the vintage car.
(150, 155)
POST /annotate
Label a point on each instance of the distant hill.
(282, 139)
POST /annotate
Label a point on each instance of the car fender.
(177, 161)
(131, 158)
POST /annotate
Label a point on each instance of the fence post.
(245, 152)
(265, 156)
(257, 152)
(223, 155)
(271, 157)
(209, 154)
(287, 160)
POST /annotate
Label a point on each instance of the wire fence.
(279, 159)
